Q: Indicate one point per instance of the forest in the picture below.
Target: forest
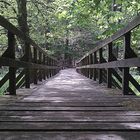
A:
(67, 29)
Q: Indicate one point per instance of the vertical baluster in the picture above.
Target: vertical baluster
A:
(49, 69)
(100, 70)
(83, 68)
(125, 78)
(95, 70)
(40, 70)
(109, 70)
(35, 70)
(28, 59)
(44, 71)
(47, 63)
(91, 62)
(12, 70)
(86, 69)
(50, 63)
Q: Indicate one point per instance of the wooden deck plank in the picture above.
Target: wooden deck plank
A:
(67, 113)
(70, 118)
(62, 108)
(64, 104)
(68, 126)
(104, 135)
(69, 106)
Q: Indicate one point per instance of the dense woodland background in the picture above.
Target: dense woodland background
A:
(67, 29)
(68, 26)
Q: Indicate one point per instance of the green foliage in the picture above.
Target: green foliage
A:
(51, 22)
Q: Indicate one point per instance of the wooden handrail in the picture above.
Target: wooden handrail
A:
(100, 44)
(10, 27)
(92, 67)
(37, 68)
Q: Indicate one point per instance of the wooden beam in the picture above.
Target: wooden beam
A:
(27, 70)
(20, 83)
(22, 64)
(4, 80)
(10, 27)
(125, 71)
(40, 62)
(91, 62)
(133, 24)
(134, 82)
(100, 61)
(95, 61)
(130, 62)
(12, 70)
(21, 74)
(35, 70)
(44, 71)
(109, 70)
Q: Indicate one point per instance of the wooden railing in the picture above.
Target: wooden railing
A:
(35, 63)
(111, 70)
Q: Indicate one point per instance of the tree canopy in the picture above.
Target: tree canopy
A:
(70, 26)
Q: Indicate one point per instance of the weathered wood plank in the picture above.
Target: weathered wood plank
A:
(71, 118)
(68, 113)
(57, 126)
(71, 135)
(22, 108)
(68, 102)
(22, 64)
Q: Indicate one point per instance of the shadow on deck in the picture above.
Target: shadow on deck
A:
(68, 107)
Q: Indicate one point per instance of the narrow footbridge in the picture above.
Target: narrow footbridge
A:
(95, 101)
(68, 106)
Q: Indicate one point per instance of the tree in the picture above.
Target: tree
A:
(86, 22)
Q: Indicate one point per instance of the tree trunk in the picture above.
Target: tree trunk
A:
(22, 19)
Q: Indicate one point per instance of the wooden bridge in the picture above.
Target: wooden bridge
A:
(95, 101)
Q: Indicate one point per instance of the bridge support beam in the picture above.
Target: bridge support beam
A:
(91, 62)
(12, 70)
(95, 70)
(109, 70)
(28, 59)
(125, 72)
(35, 70)
(100, 70)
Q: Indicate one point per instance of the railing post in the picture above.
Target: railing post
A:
(86, 62)
(35, 70)
(28, 59)
(88, 69)
(50, 69)
(83, 68)
(91, 62)
(44, 71)
(40, 70)
(109, 70)
(95, 61)
(47, 63)
(100, 70)
(12, 70)
(81, 64)
(125, 72)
